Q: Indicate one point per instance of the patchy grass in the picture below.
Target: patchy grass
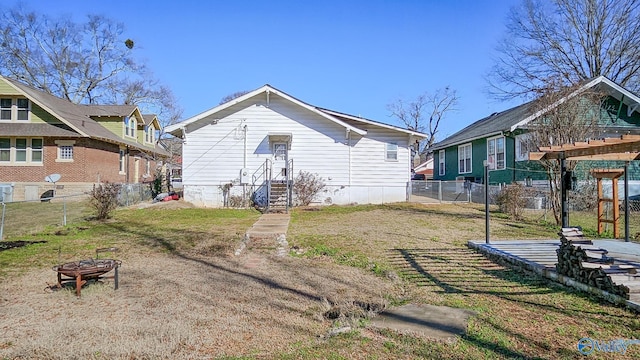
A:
(184, 296)
(22, 218)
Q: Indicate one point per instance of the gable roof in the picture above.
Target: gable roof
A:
(351, 118)
(76, 118)
(349, 122)
(517, 117)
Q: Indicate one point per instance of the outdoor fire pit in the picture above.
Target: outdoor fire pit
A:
(84, 270)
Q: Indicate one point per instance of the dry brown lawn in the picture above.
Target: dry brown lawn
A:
(184, 295)
(188, 304)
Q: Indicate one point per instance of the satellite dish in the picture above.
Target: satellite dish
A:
(53, 178)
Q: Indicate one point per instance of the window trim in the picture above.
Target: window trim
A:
(520, 139)
(442, 165)
(28, 152)
(130, 125)
(149, 134)
(62, 143)
(388, 151)
(470, 169)
(14, 110)
(504, 152)
(122, 161)
(10, 109)
(27, 109)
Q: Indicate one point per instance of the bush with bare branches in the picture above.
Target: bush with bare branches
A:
(306, 186)
(104, 198)
(512, 199)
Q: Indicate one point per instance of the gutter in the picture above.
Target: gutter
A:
(435, 148)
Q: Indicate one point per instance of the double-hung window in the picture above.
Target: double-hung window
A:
(5, 109)
(391, 153)
(464, 159)
(523, 147)
(5, 150)
(14, 109)
(129, 126)
(441, 166)
(36, 150)
(23, 109)
(121, 161)
(21, 151)
(496, 153)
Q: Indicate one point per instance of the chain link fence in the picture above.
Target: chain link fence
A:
(584, 198)
(29, 217)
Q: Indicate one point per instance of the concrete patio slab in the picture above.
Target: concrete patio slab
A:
(436, 322)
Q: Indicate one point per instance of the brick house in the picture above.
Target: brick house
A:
(41, 134)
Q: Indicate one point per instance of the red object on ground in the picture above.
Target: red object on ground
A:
(167, 198)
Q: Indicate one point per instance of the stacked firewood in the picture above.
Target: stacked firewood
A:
(579, 264)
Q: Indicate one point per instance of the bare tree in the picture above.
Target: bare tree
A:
(85, 63)
(424, 113)
(568, 40)
(567, 114)
(232, 96)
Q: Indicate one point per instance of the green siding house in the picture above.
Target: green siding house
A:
(499, 139)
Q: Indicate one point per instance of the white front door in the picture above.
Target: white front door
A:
(280, 157)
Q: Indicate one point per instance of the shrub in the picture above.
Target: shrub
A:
(585, 197)
(512, 200)
(104, 198)
(157, 183)
(306, 186)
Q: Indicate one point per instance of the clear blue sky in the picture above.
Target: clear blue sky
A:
(350, 56)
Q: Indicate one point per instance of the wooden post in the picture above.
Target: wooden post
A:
(612, 174)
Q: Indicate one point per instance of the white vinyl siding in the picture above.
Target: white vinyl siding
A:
(496, 153)
(464, 158)
(214, 153)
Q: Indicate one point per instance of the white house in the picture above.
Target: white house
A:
(244, 147)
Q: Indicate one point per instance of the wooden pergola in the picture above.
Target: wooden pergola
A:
(624, 148)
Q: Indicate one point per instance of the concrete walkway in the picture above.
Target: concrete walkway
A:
(269, 231)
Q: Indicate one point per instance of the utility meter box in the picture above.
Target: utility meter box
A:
(245, 176)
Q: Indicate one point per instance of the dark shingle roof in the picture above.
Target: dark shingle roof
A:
(60, 130)
(77, 116)
(490, 125)
(108, 110)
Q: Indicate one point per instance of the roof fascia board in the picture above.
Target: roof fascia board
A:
(485, 136)
(374, 123)
(265, 88)
(47, 109)
(590, 84)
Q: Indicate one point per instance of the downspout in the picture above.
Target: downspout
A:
(126, 172)
(244, 159)
(244, 162)
(348, 138)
